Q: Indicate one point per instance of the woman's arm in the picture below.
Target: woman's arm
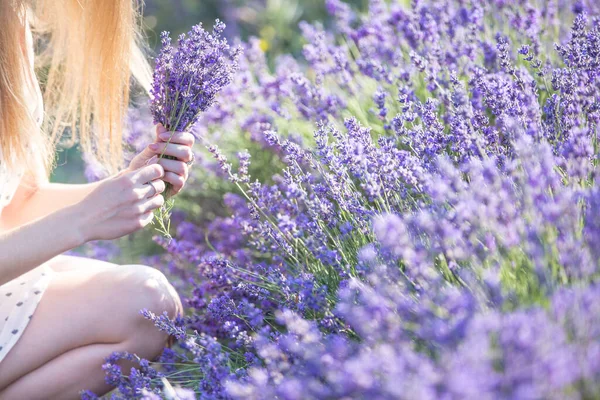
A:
(26, 247)
(37, 199)
(114, 207)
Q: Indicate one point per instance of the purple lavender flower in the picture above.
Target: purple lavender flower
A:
(188, 78)
(419, 219)
(186, 81)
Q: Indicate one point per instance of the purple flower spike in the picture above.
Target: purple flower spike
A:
(188, 78)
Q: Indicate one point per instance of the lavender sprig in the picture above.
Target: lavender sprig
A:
(187, 80)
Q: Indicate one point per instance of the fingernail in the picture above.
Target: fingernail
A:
(152, 160)
(154, 146)
(165, 136)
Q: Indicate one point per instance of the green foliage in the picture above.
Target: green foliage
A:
(275, 22)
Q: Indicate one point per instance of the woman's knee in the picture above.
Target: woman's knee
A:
(153, 290)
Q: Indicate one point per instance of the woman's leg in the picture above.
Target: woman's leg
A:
(85, 314)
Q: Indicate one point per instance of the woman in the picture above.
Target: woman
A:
(61, 315)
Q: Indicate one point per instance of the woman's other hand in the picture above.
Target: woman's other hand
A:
(179, 147)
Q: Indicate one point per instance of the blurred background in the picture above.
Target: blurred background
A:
(274, 22)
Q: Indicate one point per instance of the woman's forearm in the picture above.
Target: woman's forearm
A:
(30, 203)
(27, 246)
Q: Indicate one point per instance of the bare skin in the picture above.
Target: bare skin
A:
(91, 308)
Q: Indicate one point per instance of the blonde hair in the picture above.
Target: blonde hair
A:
(89, 51)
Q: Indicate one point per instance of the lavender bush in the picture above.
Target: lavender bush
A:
(411, 211)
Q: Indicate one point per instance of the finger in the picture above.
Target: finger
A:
(148, 173)
(178, 167)
(159, 185)
(151, 189)
(147, 205)
(177, 182)
(184, 138)
(146, 218)
(179, 151)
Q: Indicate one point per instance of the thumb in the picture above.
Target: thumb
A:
(152, 160)
(145, 157)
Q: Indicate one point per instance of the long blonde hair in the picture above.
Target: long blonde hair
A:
(88, 52)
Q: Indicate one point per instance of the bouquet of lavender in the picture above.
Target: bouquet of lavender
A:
(186, 82)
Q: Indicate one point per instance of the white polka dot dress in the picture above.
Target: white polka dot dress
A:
(18, 301)
(19, 298)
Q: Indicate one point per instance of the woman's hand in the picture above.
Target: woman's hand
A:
(123, 203)
(180, 147)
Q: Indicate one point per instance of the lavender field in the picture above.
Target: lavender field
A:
(409, 210)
